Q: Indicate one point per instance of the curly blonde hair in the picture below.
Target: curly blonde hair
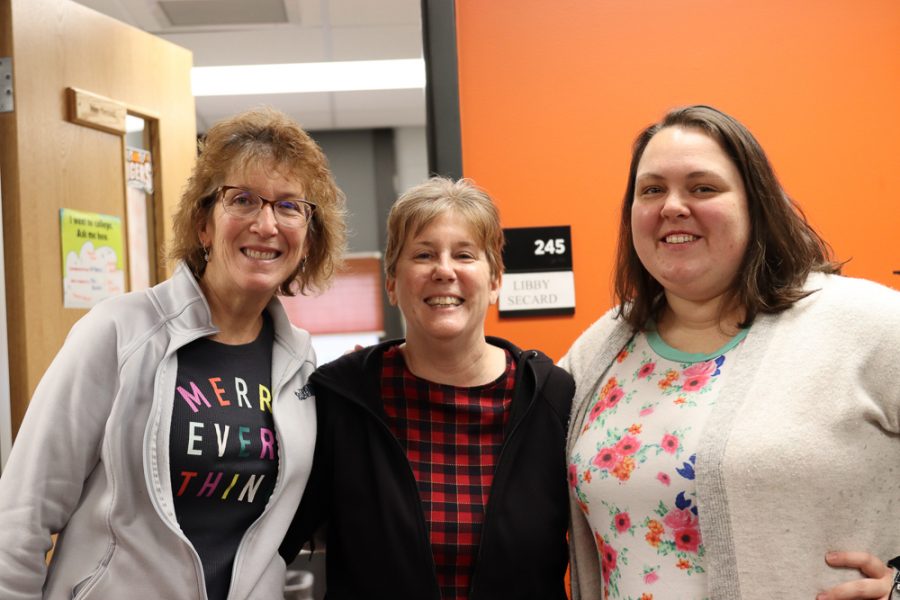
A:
(265, 138)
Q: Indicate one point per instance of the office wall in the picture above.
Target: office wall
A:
(372, 167)
(351, 155)
(552, 95)
(365, 161)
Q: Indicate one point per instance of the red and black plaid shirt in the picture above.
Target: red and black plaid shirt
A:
(452, 437)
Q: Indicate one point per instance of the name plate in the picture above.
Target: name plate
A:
(99, 112)
(539, 279)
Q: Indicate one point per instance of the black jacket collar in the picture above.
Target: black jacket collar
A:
(341, 376)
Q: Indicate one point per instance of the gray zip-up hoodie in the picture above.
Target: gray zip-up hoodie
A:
(91, 459)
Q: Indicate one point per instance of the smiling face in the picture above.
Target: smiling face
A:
(249, 258)
(443, 283)
(689, 218)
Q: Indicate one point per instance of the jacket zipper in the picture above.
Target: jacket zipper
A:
(279, 485)
(172, 522)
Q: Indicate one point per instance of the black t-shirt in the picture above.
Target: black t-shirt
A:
(223, 451)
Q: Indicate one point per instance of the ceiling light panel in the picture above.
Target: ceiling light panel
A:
(346, 76)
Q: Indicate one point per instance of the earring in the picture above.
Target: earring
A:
(204, 247)
(303, 265)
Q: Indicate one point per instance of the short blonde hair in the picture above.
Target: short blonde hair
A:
(421, 204)
(265, 138)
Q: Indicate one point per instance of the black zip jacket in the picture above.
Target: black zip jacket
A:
(377, 544)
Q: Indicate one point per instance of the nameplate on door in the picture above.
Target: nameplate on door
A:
(539, 280)
(93, 110)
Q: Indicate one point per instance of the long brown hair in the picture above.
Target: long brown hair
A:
(783, 247)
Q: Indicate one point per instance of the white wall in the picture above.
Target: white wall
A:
(411, 150)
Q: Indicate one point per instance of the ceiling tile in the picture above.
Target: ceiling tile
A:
(376, 42)
(343, 13)
(192, 13)
(284, 44)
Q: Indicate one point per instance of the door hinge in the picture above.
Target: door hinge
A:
(6, 84)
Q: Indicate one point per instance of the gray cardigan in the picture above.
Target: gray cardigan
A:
(799, 455)
(91, 459)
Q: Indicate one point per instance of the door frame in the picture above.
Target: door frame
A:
(5, 405)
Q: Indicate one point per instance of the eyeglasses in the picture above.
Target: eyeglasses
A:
(290, 213)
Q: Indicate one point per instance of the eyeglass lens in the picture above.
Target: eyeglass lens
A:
(245, 204)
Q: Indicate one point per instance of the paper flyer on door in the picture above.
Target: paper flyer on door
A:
(91, 257)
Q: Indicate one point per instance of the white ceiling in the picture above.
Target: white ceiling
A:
(246, 32)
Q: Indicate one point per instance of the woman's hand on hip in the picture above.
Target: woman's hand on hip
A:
(874, 585)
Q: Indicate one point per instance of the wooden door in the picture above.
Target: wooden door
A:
(49, 162)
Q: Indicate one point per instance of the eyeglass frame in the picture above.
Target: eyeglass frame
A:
(220, 193)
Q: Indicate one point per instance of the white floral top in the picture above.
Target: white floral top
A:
(632, 467)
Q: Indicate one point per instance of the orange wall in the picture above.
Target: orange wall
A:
(552, 93)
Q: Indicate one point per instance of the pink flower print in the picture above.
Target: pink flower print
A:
(606, 458)
(646, 411)
(670, 443)
(613, 397)
(610, 384)
(679, 518)
(651, 577)
(687, 539)
(573, 476)
(646, 370)
(608, 559)
(706, 368)
(628, 445)
(694, 383)
(663, 478)
(622, 522)
(596, 410)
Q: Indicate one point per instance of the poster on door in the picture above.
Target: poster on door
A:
(138, 196)
(91, 257)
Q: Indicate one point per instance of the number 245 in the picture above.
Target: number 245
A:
(550, 246)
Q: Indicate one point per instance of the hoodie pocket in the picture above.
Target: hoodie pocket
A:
(83, 588)
(80, 586)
